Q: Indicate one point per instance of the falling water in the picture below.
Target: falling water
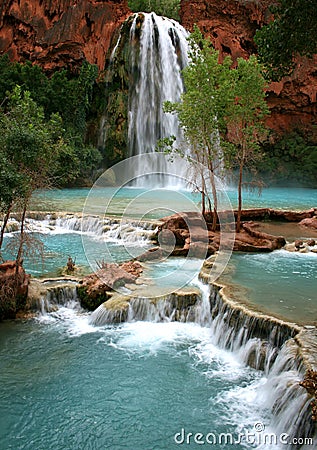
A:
(158, 53)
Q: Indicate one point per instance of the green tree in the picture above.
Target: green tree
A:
(245, 120)
(222, 114)
(201, 113)
(167, 8)
(292, 32)
(30, 148)
(69, 95)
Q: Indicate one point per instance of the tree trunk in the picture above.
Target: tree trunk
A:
(215, 200)
(19, 254)
(238, 225)
(5, 221)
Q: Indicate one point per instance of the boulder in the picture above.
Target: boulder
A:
(96, 288)
(309, 222)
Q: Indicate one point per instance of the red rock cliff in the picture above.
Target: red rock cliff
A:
(55, 33)
(231, 25)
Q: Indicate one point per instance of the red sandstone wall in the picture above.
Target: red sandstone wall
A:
(55, 33)
(231, 25)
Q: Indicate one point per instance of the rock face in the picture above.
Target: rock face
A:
(59, 33)
(231, 25)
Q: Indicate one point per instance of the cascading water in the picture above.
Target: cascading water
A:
(157, 50)
(262, 342)
(156, 66)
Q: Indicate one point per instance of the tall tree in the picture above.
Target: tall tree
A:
(245, 120)
(222, 115)
(291, 33)
(201, 111)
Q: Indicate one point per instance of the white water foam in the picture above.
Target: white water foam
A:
(107, 230)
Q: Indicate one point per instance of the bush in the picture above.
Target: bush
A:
(292, 160)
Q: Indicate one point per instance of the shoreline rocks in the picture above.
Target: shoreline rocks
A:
(13, 289)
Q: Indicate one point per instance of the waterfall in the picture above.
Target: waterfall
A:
(156, 66)
(144, 72)
(178, 306)
(57, 295)
(263, 342)
(288, 401)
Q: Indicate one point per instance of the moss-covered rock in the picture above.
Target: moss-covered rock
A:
(88, 301)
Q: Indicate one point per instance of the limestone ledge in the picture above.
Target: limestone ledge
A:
(146, 303)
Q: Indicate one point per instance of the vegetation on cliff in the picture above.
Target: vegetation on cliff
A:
(167, 8)
(291, 33)
(68, 95)
(291, 161)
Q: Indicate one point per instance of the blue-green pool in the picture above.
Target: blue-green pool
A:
(68, 386)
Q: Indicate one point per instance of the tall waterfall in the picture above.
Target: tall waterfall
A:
(156, 66)
(144, 71)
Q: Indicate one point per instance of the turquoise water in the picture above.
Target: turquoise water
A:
(67, 385)
(57, 248)
(162, 200)
(280, 283)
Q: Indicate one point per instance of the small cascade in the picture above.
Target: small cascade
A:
(178, 306)
(108, 229)
(257, 338)
(57, 295)
(162, 310)
(286, 399)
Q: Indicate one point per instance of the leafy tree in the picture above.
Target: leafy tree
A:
(168, 8)
(245, 120)
(292, 32)
(30, 148)
(201, 112)
(70, 96)
(221, 114)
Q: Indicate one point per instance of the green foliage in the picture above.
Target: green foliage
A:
(221, 113)
(29, 142)
(204, 102)
(292, 32)
(246, 113)
(291, 161)
(67, 95)
(167, 8)
(30, 146)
